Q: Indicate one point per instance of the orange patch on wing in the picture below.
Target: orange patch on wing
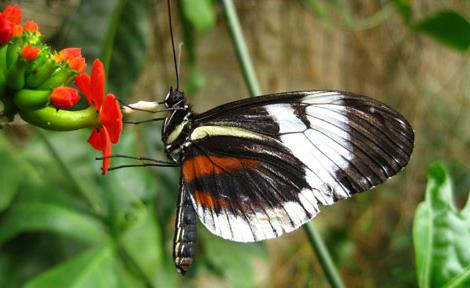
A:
(202, 165)
(207, 201)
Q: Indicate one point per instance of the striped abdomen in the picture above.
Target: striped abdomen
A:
(185, 232)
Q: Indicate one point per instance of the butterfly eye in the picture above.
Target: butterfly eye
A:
(173, 98)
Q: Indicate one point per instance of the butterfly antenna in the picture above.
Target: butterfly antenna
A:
(173, 47)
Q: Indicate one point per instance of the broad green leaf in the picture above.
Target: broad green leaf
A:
(88, 26)
(145, 244)
(128, 189)
(447, 27)
(26, 217)
(11, 174)
(130, 47)
(200, 13)
(20, 260)
(92, 268)
(66, 160)
(234, 261)
(441, 235)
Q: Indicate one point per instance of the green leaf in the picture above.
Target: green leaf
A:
(405, 9)
(25, 217)
(88, 26)
(92, 268)
(318, 7)
(11, 174)
(449, 28)
(196, 80)
(130, 47)
(144, 243)
(441, 235)
(234, 261)
(200, 13)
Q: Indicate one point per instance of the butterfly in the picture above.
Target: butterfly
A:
(261, 167)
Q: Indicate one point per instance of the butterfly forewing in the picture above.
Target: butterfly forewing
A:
(259, 168)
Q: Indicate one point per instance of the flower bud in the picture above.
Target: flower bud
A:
(28, 99)
(12, 54)
(31, 26)
(30, 53)
(40, 71)
(64, 97)
(15, 75)
(6, 30)
(60, 76)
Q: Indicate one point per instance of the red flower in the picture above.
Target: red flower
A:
(64, 97)
(6, 29)
(109, 112)
(31, 26)
(30, 53)
(73, 57)
(13, 14)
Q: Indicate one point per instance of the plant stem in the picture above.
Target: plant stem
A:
(323, 256)
(240, 48)
(250, 78)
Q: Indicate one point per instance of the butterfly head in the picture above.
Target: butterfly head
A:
(174, 98)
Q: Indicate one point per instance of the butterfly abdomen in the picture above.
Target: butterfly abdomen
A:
(185, 233)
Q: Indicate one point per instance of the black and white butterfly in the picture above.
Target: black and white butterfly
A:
(258, 168)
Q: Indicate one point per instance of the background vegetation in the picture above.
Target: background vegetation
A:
(62, 224)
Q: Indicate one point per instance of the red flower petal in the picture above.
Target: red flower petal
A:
(64, 97)
(13, 14)
(111, 117)
(73, 57)
(31, 26)
(97, 83)
(99, 139)
(82, 81)
(6, 30)
(30, 52)
(17, 30)
(106, 152)
(77, 63)
(96, 139)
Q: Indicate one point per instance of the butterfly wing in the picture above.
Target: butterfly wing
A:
(259, 168)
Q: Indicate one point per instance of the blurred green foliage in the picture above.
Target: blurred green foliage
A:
(63, 225)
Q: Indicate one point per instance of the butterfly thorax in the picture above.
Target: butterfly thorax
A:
(177, 125)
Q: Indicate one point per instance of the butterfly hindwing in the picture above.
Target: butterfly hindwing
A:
(259, 168)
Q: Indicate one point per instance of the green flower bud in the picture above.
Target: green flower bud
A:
(3, 59)
(61, 76)
(28, 99)
(12, 54)
(15, 76)
(40, 71)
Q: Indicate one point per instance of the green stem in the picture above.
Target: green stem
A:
(240, 47)
(249, 74)
(89, 196)
(323, 256)
(111, 34)
(50, 118)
